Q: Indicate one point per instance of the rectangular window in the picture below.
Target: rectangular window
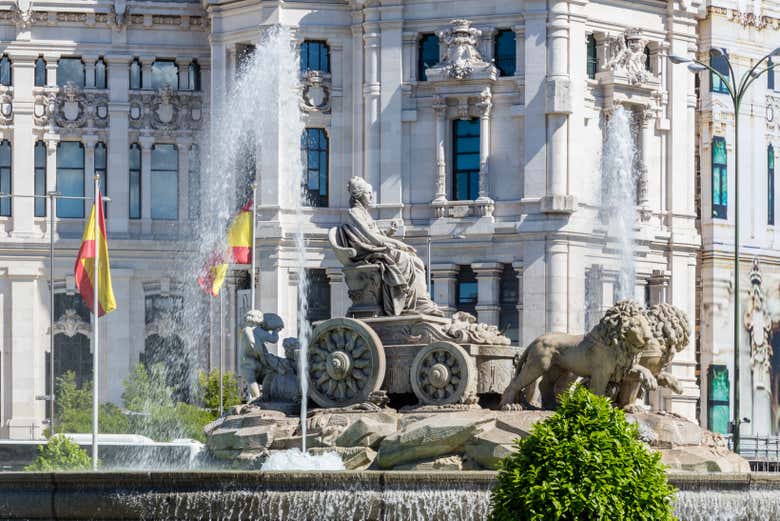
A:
(165, 72)
(506, 52)
(720, 63)
(101, 75)
(509, 320)
(134, 161)
(315, 56)
(70, 70)
(427, 54)
(593, 58)
(467, 290)
(318, 297)
(40, 179)
(718, 399)
(719, 178)
(315, 146)
(40, 72)
(70, 179)
(165, 180)
(465, 164)
(6, 74)
(770, 175)
(136, 74)
(5, 177)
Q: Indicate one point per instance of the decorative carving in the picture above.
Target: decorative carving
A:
(464, 328)
(22, 14)
(167, 110)
(72, 17)
(759, 325)
(315, 96)
(71, 324)
(626, 56)
(163, 109)
(461, 209)
(443, 373)
(73, 108)
(118, 15)
(749, 19)
(6, 106)
(462, 59)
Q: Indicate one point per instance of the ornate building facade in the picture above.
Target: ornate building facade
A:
(480, 124)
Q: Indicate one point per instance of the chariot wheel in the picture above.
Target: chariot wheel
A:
(443, 373)
(346, 362)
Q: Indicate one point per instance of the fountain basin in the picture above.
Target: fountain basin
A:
(302, 496)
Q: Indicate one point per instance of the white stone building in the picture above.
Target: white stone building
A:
(496, 159)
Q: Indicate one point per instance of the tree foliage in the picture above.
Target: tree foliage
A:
(584, 462)
(60, 453)
(73, 409)
(209, 390)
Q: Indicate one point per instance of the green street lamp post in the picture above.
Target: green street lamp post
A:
(736, 90)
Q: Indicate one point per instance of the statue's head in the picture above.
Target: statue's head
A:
(360, 191)
(670, 327)
(253, 318)
(272, 322)
(624, 325)
(291, 347)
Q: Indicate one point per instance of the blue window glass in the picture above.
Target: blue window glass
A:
(101, 75)
(509, 319)
(465, 164)
(40, 179)
(6, 75)
(593, 58)
(467, 290)
(165, 72)
(70, 179)
(648, 66)
(5, 177)
(770, 75)
(194, 75)
(70, 70)
(136, 74)
(427, 54)
(719, 178)
(718, 399)
(720, 63)
(315, 148)
(315, 56)
(505, 52)
(770, 181)
(165, 182)
(40, 72)
(134, 162)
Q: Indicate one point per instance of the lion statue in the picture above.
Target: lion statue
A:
(608, 353)
(671, 333)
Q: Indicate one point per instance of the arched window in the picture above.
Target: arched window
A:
(6, 75)
(465, 164)
(427, 54)
(194, 75)
(134, 161)
(71, 350)
(720, 63)
(40, 178)
(71, 70)
(101, 169)
(719, 178)
(593, 58)
(165, 73)
(314, 148)
(40, 72)
(770, 181)
(315, 56)
(136, 74)
(505, 52)
(101, 76)
(70, 178)
(165, 182)
(5, 177)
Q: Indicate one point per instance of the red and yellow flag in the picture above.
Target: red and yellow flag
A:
(85, 265)
(240, 242)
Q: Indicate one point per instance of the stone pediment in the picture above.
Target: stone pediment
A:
(462, 60)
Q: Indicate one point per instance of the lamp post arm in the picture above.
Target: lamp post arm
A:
(726, 81)
(752, 76)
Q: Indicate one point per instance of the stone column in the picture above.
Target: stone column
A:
(357, 82)
(52, 140)
(231, 67)
(146, 71)
(146, 143)
(217, 87)
(51, 69)
(445, 278)
(339, 299)
(519, 31)
(440, 113)
(118, 142)
(518, 266)
(184, 73)
(23, 142)
(488, 291)
(89, 67)
(557, 276)
(391, 75)
(645, 120)
(371, 95)
(659, 285)
(89, 141)
(183, 148)
(483, 106)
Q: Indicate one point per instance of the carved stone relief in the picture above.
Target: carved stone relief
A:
(71, 324)
(76, 108)
(315, 96)
(626, 56)
(462, 59)
(118, 16)
(759, 325)
(6, 106)
(166, 110)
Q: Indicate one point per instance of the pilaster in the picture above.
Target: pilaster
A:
(488, 291)
(445, 279)
(146, 143)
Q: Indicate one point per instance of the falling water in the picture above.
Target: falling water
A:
(620, 195)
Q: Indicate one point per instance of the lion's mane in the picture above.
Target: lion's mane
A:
(621, 318)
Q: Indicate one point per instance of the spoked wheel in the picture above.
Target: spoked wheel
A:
(442, 373)
(346, 362)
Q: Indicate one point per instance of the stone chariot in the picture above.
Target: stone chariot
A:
(394, 339)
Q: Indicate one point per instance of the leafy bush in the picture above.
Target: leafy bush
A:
(60, 453)
(584, 462)
(73, 409)
(209, 390)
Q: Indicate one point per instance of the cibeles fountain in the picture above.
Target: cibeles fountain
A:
(398, 386)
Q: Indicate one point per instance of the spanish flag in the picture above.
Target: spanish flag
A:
(85, 265)
(240, 242)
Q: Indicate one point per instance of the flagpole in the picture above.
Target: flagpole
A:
(254, 242)
(221, 347)
(95, 330)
